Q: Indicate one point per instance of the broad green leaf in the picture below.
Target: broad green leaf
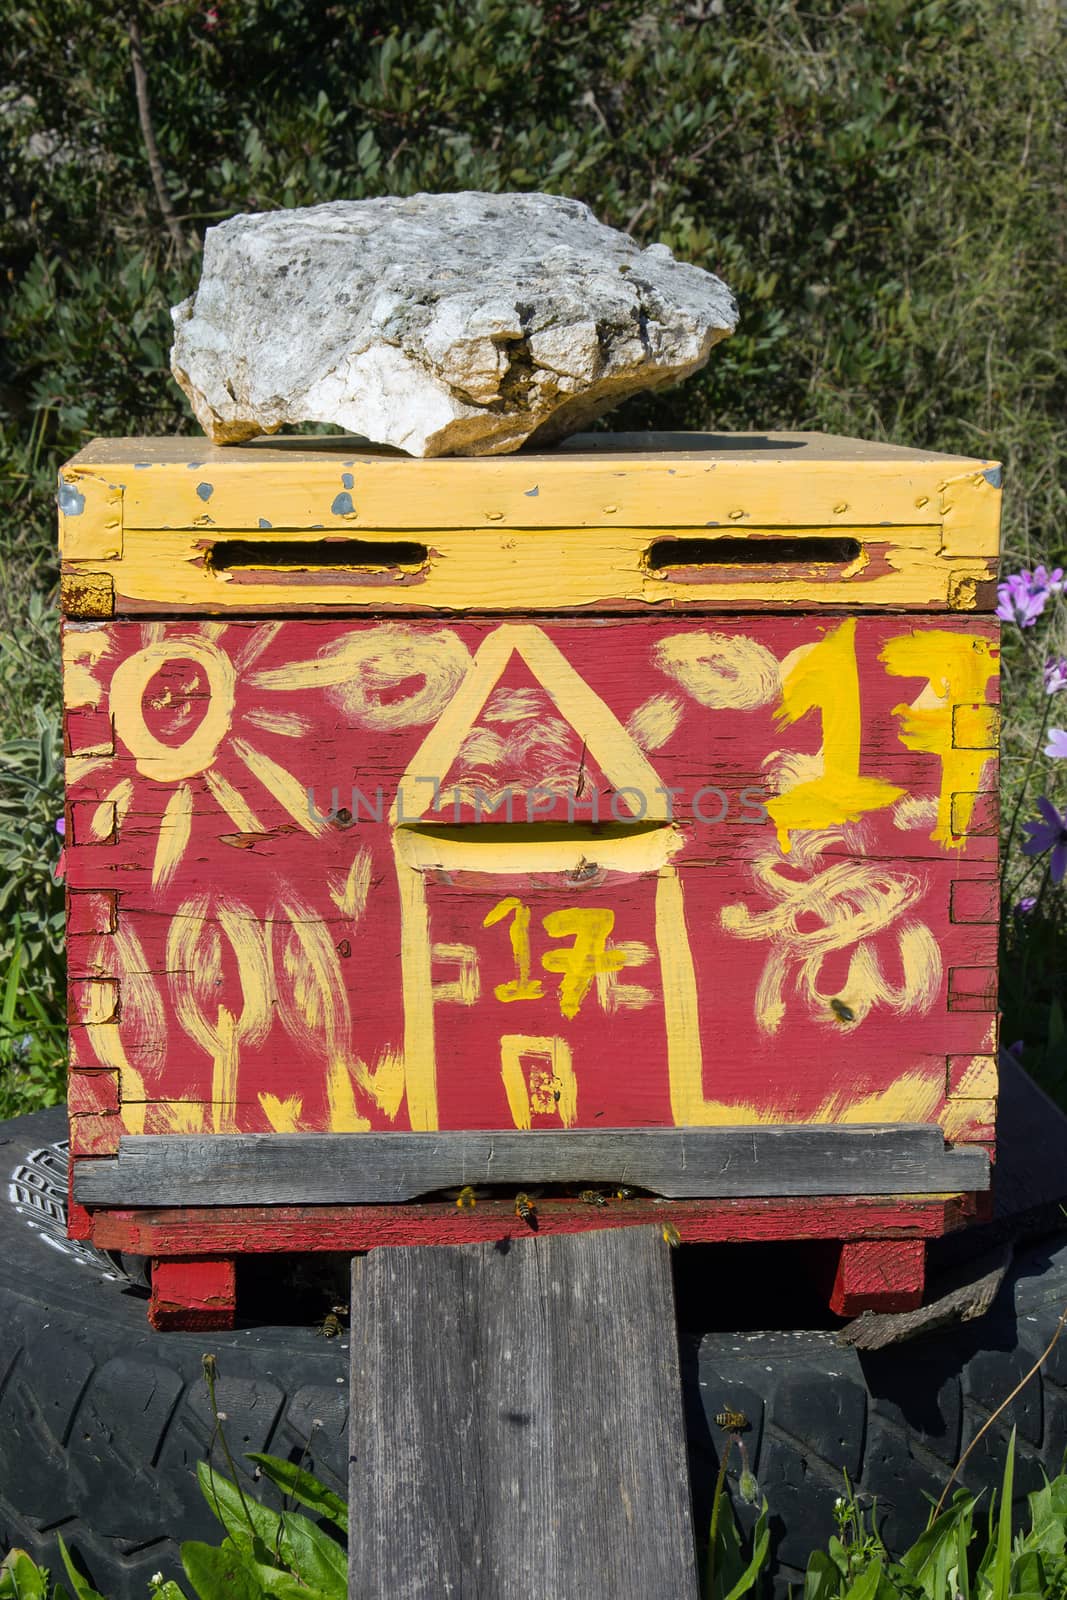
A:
(761, 1543)
(21, 1578)
(822, 1580)
(300, 1485)
(83, 1589)
(240, 1514)
(937, 1549)
(1000, 1568)
(866, 1585)
(217, 1572)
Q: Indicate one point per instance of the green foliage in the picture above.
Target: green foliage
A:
(880, 183)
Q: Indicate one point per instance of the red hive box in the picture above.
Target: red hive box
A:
(613, 827)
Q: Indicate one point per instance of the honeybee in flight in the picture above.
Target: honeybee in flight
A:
(466, 1199)
(731, 1421)
(526, 1210)
(623, 1192)
(331, 1322)
(671, 1235)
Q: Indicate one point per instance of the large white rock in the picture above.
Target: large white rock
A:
(455, 324)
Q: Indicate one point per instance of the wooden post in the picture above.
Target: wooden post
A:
(517, 1426)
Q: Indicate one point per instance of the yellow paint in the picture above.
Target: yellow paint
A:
(385, 1082)
(547, 1087)
(727, 671)
(609, 745)
(654, 723)
(978, 1080)
(497, 848)
(420, 1068)
(615, 996)
(176, 1116)
(968, 1119)
(579, 964)
(350, 894)
(823, 677)
(283, 1115)
(286, 724)
(82, 650)
(198, 984)
(685, 1061)
(93, 532)
(233, 803)
(361, 668)
(522, 987)
(77, 769)
(844, 906)
(926, 523)
(314, 1009)
(507, 570)
(289, 792)
(164, 762)
(258, 639)
(141, 1024)
(466, 987)
(957, 669)
(175, 828)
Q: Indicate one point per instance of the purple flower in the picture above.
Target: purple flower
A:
(1022, 597)
(61, 827)
(1057, 743)
(1051, 834)
(1025, 905)
(1055, 674)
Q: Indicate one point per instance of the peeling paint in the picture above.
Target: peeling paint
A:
(70, 500)
(264, 523)
(531, 494)
(205, 490)
(994, 476)
(347, 480)
(342, 504)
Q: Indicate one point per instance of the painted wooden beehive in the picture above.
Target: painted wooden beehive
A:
(613, 826)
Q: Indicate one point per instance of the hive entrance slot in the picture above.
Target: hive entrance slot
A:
(314, 555)
(705, 555)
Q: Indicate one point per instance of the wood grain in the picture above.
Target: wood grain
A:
(203, 1230)
(517, 1427)
(309, 1168)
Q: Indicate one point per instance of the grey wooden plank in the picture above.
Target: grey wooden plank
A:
(694, 1163)
(516, 1423)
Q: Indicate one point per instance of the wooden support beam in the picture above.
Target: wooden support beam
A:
(879, 1275)
(517, 1429)
(681, 1163)
(196, 1294)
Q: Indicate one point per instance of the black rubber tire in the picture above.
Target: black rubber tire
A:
(897, 1420)
(102, 1421)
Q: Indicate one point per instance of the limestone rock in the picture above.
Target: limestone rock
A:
(457, 324)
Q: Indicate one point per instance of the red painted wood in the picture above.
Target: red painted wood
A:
(193, 1295)
(362, 723)
(92, 1093)
(91, 912)
(879, 1275)
(95, 1134)
(255, 1229)
(79, 1220)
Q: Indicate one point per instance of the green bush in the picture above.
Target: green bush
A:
(880, 182)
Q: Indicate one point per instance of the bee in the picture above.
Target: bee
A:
(592, 1197)
(623, 1192)
(466, 1199)
(331, 1322)
(842, 1012)
(731, 1421)
(526, 1210)
(671, 1235)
